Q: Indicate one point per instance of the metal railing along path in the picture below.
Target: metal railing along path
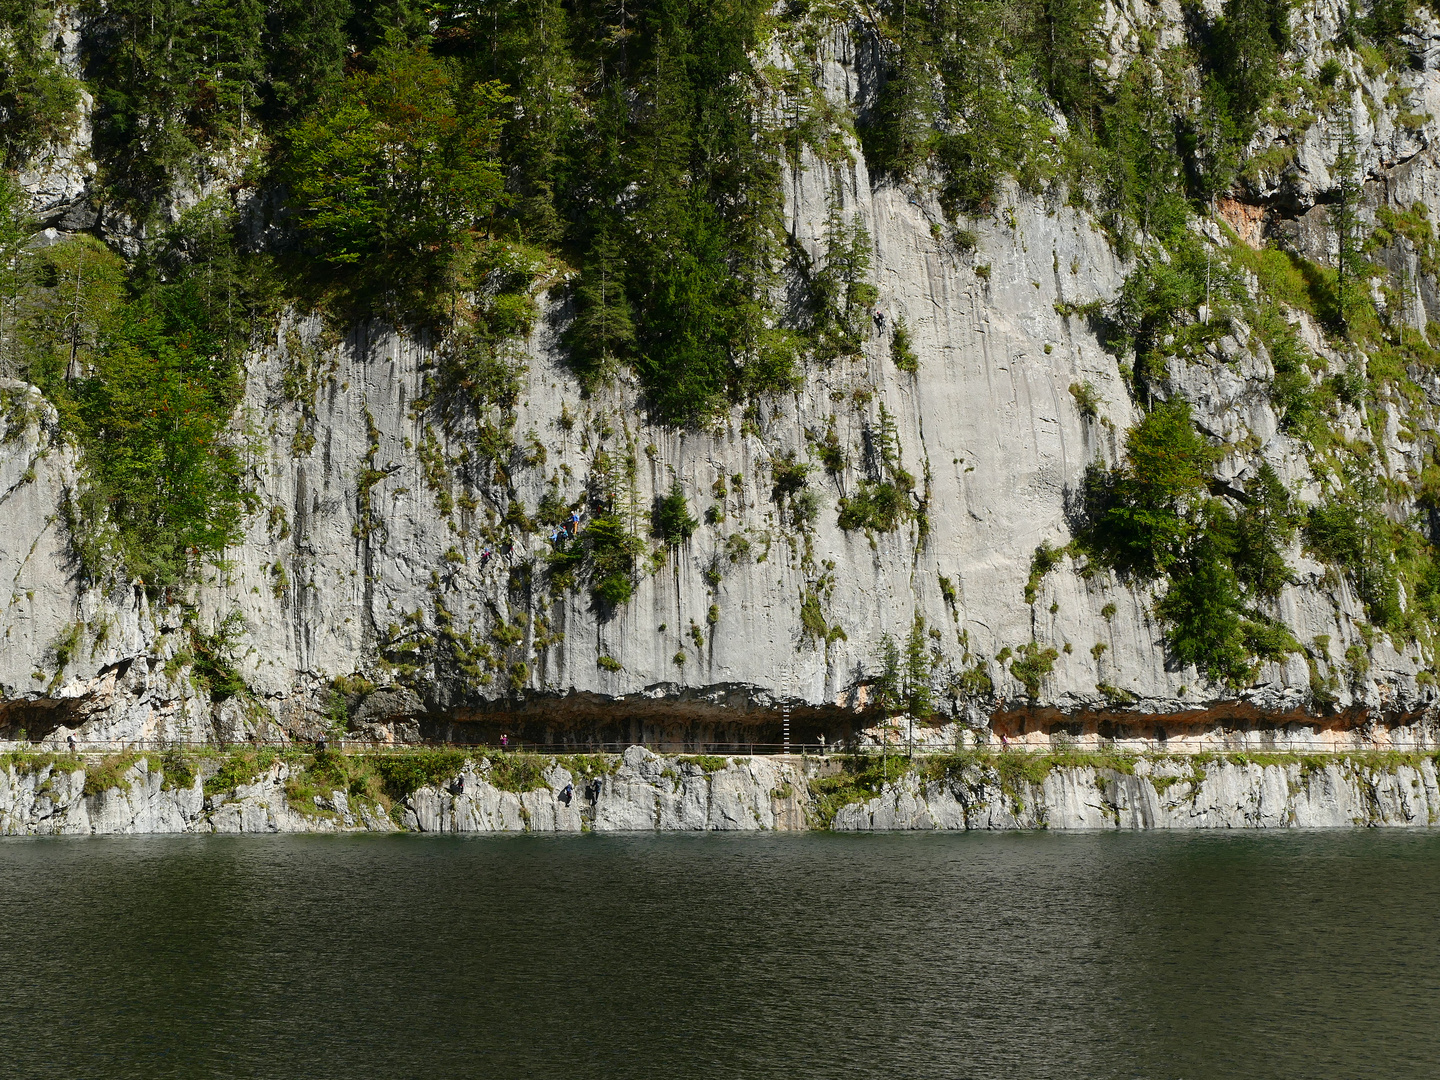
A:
(514, 746)
(1129, 748)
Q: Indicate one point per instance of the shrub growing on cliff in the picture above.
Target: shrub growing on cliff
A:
(241, 767)
(1292, 393)
(1032, 665)
(1045, 559)
(213, 656)
(859, 779)
(1155, 317)
(517, 772)
(105, 774)
(404, 774)
(1088, 401)
(879, 505)
(178, 770)
(1153, 517)
(1393, 569)
(901, 350)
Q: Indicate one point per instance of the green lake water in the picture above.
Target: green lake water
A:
(927, 956)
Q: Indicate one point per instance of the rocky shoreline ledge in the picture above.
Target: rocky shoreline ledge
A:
(453, 791)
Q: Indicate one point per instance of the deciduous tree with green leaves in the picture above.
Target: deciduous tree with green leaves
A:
(393, 172)
(1145, 511)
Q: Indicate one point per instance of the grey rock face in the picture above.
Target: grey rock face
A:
(1219, 795)
(643, 792)
(640, 792)
(374, 513)
(49, 801)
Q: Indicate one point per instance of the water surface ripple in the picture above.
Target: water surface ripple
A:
(979, 956)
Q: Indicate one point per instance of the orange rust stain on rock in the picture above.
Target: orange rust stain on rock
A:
(1245, 218)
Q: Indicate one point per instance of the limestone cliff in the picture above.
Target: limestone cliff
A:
(392, 543)
(643, 792)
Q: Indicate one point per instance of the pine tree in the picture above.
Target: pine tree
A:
(603, 333)
(841, 294)
(525, 45)
(305, 46)
(919, 696)
(1248, 41)
(1071, 48)
(897, 136)
(890, 686)
(175, 77)
(229, 61)
(374, 23)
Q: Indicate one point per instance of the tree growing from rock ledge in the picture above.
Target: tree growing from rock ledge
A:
(391, 172)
